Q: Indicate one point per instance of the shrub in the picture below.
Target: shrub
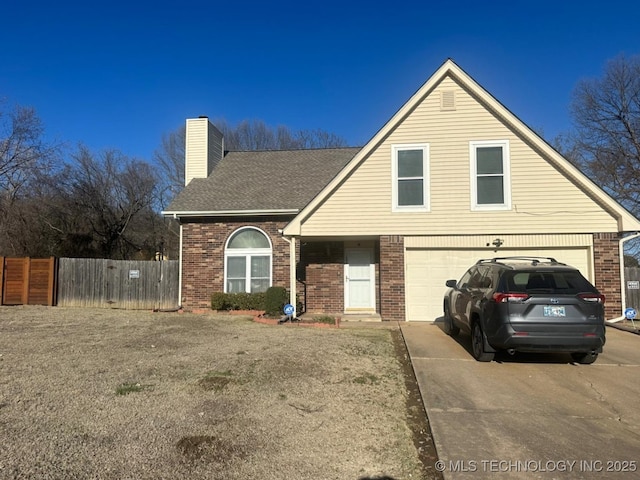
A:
(219, 301)
(247, 301)
(237, 301)
(275, 299)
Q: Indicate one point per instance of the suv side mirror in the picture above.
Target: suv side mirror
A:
(451, 283)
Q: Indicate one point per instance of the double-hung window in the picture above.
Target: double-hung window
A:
(490, 178)
(247, 262)
(410, 164)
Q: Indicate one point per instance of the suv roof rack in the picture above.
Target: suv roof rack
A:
(533, 260)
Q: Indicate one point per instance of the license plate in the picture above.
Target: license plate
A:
(553, 311)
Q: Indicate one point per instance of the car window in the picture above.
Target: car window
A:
(464, 281)
(567, 282)
(572, 282)
(486, 280)
(476, 278)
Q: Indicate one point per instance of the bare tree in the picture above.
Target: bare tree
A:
(319, 139)
(606, 140)
(94, 205)
(106, 205)
(170, 158)
(22, 148)
(256, 135)
(24, 159)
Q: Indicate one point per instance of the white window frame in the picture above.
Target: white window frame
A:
(247, 253)
(425, 207)
(506, 175)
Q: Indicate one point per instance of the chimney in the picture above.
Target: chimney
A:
(204, 148)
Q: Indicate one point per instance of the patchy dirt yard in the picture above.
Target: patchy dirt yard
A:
(88, 393)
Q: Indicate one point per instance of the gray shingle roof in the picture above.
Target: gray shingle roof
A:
(263, 180)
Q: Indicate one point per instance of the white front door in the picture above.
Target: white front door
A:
(359, 280)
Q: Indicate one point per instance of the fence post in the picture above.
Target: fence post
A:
(51, 297)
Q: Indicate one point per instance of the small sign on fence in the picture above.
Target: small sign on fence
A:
(134, 274)
(633, 285)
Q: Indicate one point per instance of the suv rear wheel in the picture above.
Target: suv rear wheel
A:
(450, 328)
(584, 358)
(477, 344)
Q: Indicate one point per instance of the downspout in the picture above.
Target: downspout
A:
(180, 271)
(623, 287)
(292, 273)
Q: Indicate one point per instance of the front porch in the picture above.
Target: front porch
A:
(357, 279)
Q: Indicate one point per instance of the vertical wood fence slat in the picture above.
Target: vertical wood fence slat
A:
(127, 284)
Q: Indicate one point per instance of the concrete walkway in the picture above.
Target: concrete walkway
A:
(529, 416)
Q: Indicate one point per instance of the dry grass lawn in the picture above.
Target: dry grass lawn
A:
(102, 394)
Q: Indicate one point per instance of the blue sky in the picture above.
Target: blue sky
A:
(120, 74)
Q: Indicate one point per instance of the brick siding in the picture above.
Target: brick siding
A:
(607, 271)
(203, 256)
(322, 268)
(391, 286)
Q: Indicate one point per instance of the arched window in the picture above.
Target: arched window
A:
(247, 261)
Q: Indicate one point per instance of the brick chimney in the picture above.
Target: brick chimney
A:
(204, 148)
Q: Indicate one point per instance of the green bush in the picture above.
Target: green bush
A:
(219, 301)
(237, 301)
(275, 299)
(247, 301)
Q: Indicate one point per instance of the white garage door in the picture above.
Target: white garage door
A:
(427, 270)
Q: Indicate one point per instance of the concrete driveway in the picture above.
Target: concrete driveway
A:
(529, 416)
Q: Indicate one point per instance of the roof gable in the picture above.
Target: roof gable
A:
(626, 221)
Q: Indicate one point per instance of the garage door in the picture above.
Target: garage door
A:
(428, 269)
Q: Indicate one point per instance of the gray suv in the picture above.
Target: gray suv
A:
(526, 304)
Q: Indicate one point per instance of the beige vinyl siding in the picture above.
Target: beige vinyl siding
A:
(542, 198)
(195, 149)
(204, 146)
(509, 241)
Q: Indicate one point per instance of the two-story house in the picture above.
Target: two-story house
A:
(452, 177)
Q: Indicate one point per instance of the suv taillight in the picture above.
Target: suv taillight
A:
(591, 297)
(509, 297)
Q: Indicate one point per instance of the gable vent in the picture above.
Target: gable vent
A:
(448, 100)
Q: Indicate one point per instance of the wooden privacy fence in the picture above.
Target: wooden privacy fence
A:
(129, 284)
(632, 286)
(27, 281)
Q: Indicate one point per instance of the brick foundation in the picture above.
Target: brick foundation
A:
(607, 271)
